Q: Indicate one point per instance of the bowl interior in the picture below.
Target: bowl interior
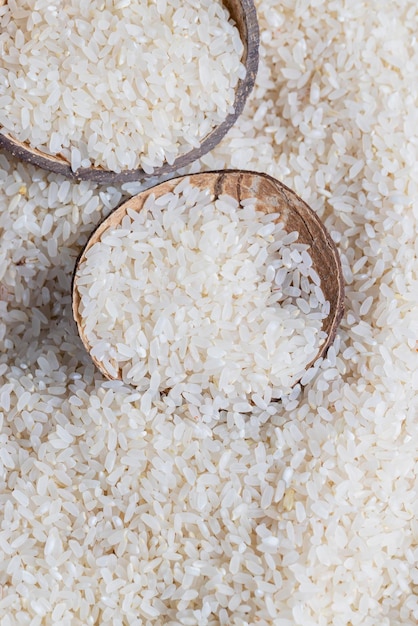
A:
(272, 197)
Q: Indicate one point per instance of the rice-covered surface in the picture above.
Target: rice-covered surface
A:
(119, 84)
(196, 290)
(120, 509)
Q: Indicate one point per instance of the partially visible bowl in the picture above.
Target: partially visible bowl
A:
(244, 14)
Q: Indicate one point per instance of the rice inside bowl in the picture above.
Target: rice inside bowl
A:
(204, 291)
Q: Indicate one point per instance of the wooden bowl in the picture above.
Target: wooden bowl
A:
(244, 14)
(273, 197)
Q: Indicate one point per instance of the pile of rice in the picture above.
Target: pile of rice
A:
(192, 290)
(117, 509)
(125, 84)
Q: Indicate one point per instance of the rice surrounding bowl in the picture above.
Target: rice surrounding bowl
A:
(119, 509)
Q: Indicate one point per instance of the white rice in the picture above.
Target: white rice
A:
(202, 291)
(162, 512)
(122, 84)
